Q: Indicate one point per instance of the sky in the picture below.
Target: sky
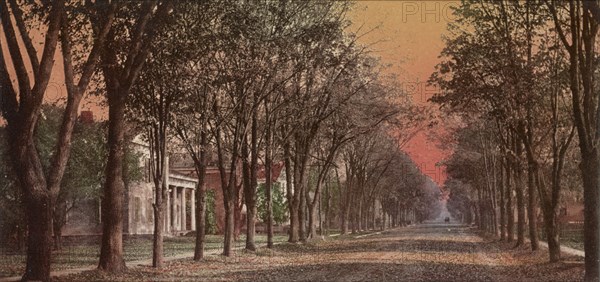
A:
(408, 35)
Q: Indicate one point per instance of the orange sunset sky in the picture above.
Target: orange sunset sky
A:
(408, 35)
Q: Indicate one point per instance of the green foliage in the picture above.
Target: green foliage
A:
(85, 170)
(132, 170)
(280, 215)
(11, 212)
(333, 193)
(84, 175)
(211, 218)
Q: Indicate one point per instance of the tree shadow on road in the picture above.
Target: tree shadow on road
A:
(409, 271)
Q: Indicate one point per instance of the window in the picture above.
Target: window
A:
(137, 205)
(149, 211)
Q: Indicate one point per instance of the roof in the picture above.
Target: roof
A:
(276, 169)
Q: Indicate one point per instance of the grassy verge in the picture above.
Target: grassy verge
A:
(83, 254)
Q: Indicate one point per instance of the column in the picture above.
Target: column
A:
(193, 201)
(173, 208)
(183, 219)
(168, 215)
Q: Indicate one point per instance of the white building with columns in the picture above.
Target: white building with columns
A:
(138, 217)
(180, 216)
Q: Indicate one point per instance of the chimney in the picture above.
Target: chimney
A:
(86, 117)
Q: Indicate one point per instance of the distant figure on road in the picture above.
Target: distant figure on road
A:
(447, 219)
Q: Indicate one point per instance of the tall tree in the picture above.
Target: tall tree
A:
(123, 56)
(576, 24)
(512, 89)
(156, 95)
(21, 107)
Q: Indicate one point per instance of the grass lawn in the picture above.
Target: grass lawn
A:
(569, 237)
(82, 254)
(572, 240)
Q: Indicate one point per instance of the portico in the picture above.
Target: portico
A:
(181, 217)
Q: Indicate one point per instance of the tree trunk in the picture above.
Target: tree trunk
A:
(320, 213)
(493, 214)
(520, 209)
(269, 203)
(302, 208)
(510, 214)
(299, 201)
(228, 187)
(591, 214)
(345, 200)
(532, 207)
(158, 155)
(20, 110)
(312, 219)
(251, 207)
(201, 195)
(229, 228)
(246, 188)
(111, 251)
(494, 198)
(502, 202)
(373, 217)
(552, 234)
(358, 215)
(294, 222)
(366, 207)
(39, 239)
(518, 180)
(313, 213)
(250, 186)
(303, 156)
(475, 214)
(229, 204)
(353, 213)
(200, 215)
(366, 214)
(481, 222)
(159, 225)
(238, 204)
(582, 68)
(268, 175)
(293, 232)
(325, 230)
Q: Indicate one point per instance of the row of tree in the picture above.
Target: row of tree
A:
(522, 78)
(260, 84)
(280, 81)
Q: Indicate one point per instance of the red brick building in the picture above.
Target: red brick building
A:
(213, 183)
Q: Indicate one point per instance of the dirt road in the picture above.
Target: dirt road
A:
(429, 252)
